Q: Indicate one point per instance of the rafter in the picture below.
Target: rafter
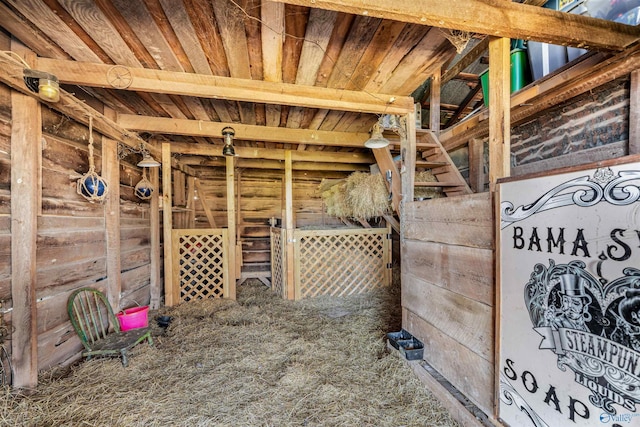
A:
(243, 132)
(501, 18)
(186, 148)
(207, 86)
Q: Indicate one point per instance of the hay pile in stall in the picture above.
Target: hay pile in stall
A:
(426, 192)
(360, 196)
(260, 361)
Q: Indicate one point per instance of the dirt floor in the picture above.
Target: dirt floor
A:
(257, 361)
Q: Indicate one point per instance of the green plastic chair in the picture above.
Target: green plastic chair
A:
(97, 326)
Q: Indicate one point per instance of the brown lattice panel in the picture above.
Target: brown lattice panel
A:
(341, 262)
(200, 263)
(278, 275)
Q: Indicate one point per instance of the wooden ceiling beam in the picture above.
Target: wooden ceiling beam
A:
(216, 87)
(466, 60)
(186, 148)
(275, 164)
(500, 18)
(243, 132)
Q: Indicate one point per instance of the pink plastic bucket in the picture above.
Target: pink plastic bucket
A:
(133, 318)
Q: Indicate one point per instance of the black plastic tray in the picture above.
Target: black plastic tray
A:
(413, 349)
(394, 337)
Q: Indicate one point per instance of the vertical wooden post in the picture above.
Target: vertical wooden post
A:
(238, 247)
(154, 239)
(191, 205)
(476, 165)
(634, 113)
(26, 150)
(408, 149)
(499, 109)
(385, 162)
(111, 174)
(289, 225)
(231, 225)
(434, 103)
(167, 226)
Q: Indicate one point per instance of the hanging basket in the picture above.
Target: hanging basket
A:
(144, 189)
(92, 187)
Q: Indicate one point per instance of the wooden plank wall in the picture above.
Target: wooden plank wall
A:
(261, 198)
(591, 127)
(448, 289)
(71, 244)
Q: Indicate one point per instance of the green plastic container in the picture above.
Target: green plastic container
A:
(519, 74)
(518, 69)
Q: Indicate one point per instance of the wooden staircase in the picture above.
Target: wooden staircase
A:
(436, 158)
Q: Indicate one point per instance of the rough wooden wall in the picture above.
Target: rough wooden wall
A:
(71, 242)
(591, 127)
(261, 197)
(448, 289)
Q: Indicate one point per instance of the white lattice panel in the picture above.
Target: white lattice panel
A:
(200, 263)
(342, 262)
(278, 274)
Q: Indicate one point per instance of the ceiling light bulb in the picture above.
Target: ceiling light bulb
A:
(49, 90)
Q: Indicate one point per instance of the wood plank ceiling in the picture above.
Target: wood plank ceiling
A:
(243, 41)
(181, 70)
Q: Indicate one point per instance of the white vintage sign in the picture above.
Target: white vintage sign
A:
(569, 350)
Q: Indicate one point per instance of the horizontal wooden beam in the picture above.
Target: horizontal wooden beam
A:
(500, 18)
(242, 132)
(207, 86)
(186, 148)
(466, 60)
(276, 164)
(11, 74)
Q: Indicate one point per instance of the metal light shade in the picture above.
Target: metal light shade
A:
(228, 150)
(44, 84)
(148, 161)
(376, 140)
(228, 134)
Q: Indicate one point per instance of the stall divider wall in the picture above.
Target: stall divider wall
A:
(336, 262)
(447, 248)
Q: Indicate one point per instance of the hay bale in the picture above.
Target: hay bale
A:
(427, 192)
(361, 196)
(367, 195)
(336, 202)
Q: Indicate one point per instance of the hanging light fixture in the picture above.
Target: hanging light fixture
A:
(44, 84)
(147, 160)
(228, 133)
(376, 140)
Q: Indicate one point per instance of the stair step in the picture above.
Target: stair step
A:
(438, 184)
(428, 164)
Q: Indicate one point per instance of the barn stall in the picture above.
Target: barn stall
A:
(293, 91)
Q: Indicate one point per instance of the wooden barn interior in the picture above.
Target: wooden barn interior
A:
(294, 89)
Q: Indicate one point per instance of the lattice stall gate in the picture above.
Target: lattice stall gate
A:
(334, 262)
(278, 261)
(200, 263)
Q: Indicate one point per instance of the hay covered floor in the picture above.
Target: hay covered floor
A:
(257, 361)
